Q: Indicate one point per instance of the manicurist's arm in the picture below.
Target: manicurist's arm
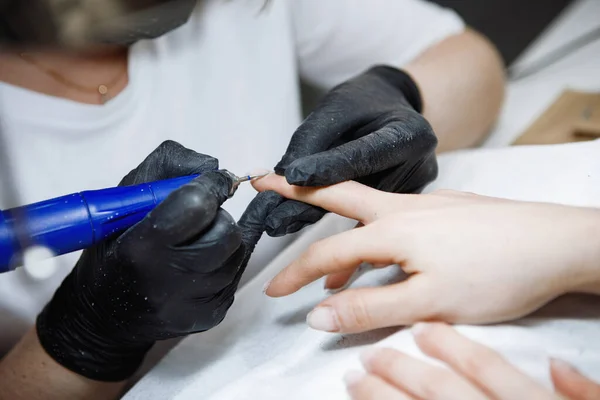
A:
(29, 373)
(461, 80)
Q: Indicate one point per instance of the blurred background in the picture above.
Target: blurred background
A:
(525, 19)
(512, 25)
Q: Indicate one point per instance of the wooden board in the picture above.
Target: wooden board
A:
(573, 117)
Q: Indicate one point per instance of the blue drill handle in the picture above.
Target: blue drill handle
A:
(80, 220)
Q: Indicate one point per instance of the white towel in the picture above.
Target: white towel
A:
(264, 350)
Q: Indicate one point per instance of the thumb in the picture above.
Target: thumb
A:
(365, 309)
(253, 221)
(570, 383)
(399, 143)
(186, 212)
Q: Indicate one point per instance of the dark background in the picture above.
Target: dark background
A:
(510, 24)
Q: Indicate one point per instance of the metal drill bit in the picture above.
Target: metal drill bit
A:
(237, 180)
(247, 178)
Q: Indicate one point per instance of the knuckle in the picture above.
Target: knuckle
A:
(357, 316)
(320, 270)
(388, 360)
(335, 258)
(164, 149)
(307, 259)
(436, 385)
(169, 144)
(312, 259)
(479, 363)
(312, 251)
(196, 199)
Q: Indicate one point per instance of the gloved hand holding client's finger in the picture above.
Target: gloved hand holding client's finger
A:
(368, 129)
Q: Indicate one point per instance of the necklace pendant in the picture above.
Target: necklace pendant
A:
(103, 90)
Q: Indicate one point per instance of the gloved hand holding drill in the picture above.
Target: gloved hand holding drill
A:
(172, 274)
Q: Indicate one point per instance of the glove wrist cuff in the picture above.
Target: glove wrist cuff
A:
(80, 346)
(403, 82)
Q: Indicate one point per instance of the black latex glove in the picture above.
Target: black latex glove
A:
(367, 129)
(172, 274)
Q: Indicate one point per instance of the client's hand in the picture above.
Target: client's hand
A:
(475, 373)
(369, 129)
(471, 259)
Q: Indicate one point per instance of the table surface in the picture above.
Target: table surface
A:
(526, 100)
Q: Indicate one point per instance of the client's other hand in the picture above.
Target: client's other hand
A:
(474, 372)
(471, 259)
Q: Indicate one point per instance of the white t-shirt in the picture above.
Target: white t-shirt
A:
(225, 84)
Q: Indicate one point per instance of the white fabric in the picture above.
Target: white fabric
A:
(225, 84)
(264, 349)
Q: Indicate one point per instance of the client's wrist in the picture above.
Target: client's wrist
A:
(587, 243)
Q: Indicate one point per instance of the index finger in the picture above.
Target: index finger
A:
(331, 255)
(189, 210)
(349, 199)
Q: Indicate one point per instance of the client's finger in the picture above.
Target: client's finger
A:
(570, 383)
(339, 280)
(349, 199)
(362, 386)
(418, 378)
(335, 254)
(365, 309)
(479, 364)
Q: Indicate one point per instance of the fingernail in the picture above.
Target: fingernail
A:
(351, 378)
(266, 286)
(420, 328)
(562, 365)
(368, 356)
(323, 319)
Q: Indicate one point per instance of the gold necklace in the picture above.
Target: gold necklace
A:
(102, 90)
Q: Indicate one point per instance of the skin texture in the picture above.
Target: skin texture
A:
(28, 372)
(462, 253)
(474, 372)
